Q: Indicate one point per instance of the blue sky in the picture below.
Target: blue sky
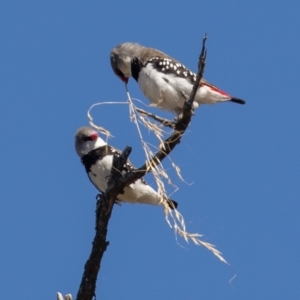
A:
(243, 160)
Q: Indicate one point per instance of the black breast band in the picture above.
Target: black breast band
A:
(136, 66)
(97, 154)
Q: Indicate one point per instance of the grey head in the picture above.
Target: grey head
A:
(121, 56)
(86, 140)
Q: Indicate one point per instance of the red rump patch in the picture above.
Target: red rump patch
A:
(215, 89)
(94, 136)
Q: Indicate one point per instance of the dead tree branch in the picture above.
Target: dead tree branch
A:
(118, 182)
(165, 122)
(105, 203)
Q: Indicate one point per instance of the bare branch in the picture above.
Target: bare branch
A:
(105, 203)
(118, 182)
(165, 122)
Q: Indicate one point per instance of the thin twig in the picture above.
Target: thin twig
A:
(182, 124)
(118, 182)
(165, 122)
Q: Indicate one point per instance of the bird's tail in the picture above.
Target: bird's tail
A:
(214, 95)
(237, 100)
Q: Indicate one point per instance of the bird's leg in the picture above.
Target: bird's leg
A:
(184, 95)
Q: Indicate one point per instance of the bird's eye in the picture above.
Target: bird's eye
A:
(86, 138)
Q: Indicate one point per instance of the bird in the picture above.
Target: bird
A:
(163, 80)
(97, 157)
